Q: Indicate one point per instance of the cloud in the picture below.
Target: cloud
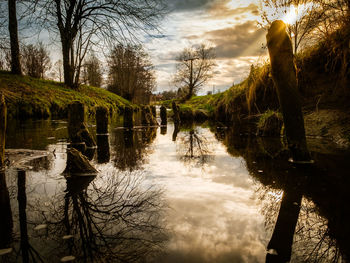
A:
(222, 9)
(185, 5)
(241, 40)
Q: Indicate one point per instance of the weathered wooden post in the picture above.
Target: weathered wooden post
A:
(154, 111)
(77, 129)
(101, 120)
(284, 77)
(3, 122)
(163, 115)
(145, 121)
(176, 115)
(128, 117)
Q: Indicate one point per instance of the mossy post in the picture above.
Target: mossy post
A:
(284, 77)
(154, 111)
(77, 129)
(163, 115)
(101, 120)
(3, 122)
(128, 117)
(176, 115)
(145, 121)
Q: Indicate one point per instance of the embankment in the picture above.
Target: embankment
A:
(28, 97)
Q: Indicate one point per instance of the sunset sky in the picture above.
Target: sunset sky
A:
(228, 25)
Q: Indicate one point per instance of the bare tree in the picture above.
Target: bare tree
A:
(35, 60)
(57, 71)
(92, 72)
(131, 73)
(13, 29)
(82, 23)
(303, 17)
(195, 68)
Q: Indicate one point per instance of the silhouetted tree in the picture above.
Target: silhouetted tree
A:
(194, 69)
(92, 72)
(131, 73)
(13, 29)
(80, 23)
(35, 60)
(302, 17)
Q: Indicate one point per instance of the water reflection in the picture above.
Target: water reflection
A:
(231, 208)
(193, 147)
(6, 223)
(131, 147)
(103, 153)
(310, 224)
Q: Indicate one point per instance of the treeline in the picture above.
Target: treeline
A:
(94, 39)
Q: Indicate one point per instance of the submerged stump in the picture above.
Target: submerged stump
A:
(101, 120)
(163, 115)
(3, 122)
(284, 77)
(77, 129)
(77, 163)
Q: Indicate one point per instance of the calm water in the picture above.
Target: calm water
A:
(188, 194)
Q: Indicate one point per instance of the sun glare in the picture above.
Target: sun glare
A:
(296, 12)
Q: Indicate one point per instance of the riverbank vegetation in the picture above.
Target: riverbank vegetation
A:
(28, 97)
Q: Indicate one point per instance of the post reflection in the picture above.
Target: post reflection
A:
(310, 224)
(6, 222)
(131, 147)
(103, 153)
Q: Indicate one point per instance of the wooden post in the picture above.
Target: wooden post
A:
(154, 111)
(3, 122)
(77, 129)
(284, 77)
(145, 121)
(163, 115)
(176, 116)
(101, 120)
(128, 117)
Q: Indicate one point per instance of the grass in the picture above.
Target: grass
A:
(30, 97)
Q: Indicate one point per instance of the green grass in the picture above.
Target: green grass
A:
(31, 97)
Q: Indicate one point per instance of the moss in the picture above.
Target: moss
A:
(28, 97)
(270, 123)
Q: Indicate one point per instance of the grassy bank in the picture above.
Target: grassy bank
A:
(28, 97)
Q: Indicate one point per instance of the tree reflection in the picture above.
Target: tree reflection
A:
(193, 147)
(6, 223)
(131, 147)
(311, 221)
(111, 219)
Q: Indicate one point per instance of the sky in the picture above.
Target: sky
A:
(230, 26)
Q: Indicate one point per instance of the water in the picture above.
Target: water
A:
(197, 193)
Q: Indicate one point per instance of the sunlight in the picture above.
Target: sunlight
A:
(296, 12)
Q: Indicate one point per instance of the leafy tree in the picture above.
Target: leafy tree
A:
(92, 72)
(131, 73)
(195, 67)
(81, 24)
(35, 60)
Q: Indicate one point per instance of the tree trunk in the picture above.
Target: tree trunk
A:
(13, 29)
(3, 115)
(67, 67)
(284, 77)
